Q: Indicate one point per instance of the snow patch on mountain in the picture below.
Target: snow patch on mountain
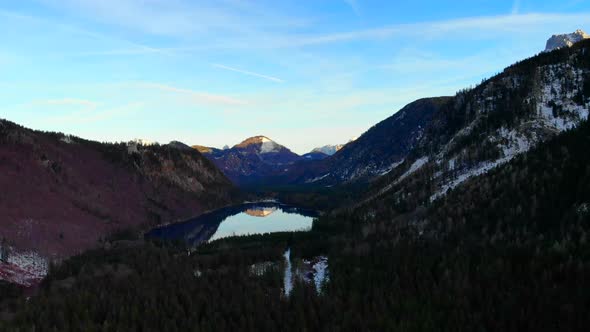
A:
(24, 268)
(313, 271)
(560, 106)
(415, 166)
(556, 107)
(328, 149)
(390, 168)
(511, 142)
(479, 170)
(269, 146)
(320, 275)
(319, 178)
(67, 139)
(557, 111)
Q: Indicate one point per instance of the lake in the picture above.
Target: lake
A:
(245, 219)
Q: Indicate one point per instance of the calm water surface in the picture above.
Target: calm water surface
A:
(246, 219)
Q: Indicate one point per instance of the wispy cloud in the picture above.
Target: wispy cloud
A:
(235, 29)
(196, 97)
(179, 18)
(123, 52)
(86, 104)
(131, 46)
(60, 105)
(249, 73)
(74, 111)
(483, 26)
(99, 115)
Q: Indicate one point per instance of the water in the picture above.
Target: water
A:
(246, 219)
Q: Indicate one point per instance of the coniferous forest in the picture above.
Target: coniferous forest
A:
(508, 251)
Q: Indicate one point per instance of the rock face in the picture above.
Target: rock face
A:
(565, 40)
(61, 194)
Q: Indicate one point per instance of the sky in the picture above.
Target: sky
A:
(305, 73)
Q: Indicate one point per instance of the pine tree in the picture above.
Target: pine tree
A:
(4, 251)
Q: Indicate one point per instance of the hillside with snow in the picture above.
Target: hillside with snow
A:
(489, 125)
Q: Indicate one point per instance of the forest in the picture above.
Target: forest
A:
(507, 251)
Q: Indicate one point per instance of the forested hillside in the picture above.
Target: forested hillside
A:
(486, 126)
(507, 251)
(61, 194)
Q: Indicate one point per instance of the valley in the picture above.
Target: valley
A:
(456, 213)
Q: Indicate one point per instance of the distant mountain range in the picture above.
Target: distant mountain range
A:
(328, 149)
(507, 114)
(315, 155)
(259, 159)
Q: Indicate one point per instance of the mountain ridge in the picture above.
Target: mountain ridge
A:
(485, 127)
(565, 40)
(67, 192)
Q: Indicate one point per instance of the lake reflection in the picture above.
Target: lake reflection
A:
(246, 219)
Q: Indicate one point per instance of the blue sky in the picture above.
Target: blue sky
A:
(304, 73)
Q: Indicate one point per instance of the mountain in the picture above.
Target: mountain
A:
(513, 242)
(476, 217)
(565, 40)
(205, 149)
(61, 194)
(328, 149)
(482, 128)
(521, 228)
(251, 160)
(315, 155)
(179, 145)
(332, 149)
(462, 136)
(386, 144)
(268, 150)
(374, 153)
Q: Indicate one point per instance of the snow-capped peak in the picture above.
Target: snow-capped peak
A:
(265, 144)
(328, 149)
(332, 149)
(254, 140)
(565, 40)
